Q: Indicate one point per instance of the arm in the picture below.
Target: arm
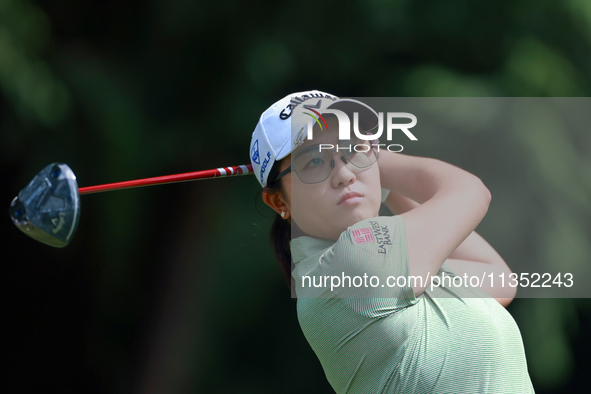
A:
(452, 203)
(473, 257)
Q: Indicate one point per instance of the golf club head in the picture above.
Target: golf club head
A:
(48, 208)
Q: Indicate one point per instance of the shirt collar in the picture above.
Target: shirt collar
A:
(304, 247)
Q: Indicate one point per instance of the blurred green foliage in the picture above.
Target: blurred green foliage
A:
(175, 289)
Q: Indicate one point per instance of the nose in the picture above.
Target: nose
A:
(343, 172)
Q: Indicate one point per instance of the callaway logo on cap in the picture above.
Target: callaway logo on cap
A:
(279, 132)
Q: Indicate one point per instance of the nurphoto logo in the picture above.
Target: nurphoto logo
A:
(391, 124)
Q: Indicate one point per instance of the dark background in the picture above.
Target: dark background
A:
(174, 289)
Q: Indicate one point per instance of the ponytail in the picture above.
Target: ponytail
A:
(280, 236)
(280, 230)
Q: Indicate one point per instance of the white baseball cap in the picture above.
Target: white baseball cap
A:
(281, 127)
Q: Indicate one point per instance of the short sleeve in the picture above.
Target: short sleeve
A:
(370, 260)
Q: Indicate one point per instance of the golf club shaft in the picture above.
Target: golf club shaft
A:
(160, 180)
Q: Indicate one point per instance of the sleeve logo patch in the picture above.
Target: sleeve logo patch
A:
(362, 235)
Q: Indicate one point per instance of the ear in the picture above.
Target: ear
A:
(276, 202)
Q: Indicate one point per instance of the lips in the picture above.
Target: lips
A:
(350, 198)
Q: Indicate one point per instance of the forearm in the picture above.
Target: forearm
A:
(475, 256)
(474, 248)
(397, 203)
(414, 180)
(490, 271)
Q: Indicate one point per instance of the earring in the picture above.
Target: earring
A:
(283, 214)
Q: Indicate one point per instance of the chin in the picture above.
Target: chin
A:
(355, 218)
(333, 225)
(363, 213)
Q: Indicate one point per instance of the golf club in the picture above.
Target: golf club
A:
(48, 208)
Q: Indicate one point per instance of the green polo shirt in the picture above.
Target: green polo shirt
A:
(374, 336)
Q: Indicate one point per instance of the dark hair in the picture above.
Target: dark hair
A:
(280, 234)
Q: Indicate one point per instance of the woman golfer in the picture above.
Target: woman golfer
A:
(378, 298)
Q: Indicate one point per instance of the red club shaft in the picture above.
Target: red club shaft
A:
(160, 180)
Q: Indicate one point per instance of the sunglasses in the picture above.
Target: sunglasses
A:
(315, 163)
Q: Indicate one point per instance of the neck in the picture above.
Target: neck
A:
(296, 231)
